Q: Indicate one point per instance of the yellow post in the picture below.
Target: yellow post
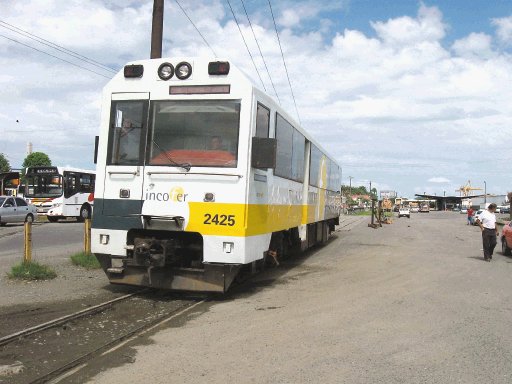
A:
(87, 236)
(27, 254)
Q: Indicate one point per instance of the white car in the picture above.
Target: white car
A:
(16, 210)
(404, 211)
(477, 216)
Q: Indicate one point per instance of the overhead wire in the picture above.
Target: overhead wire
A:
(197, 29)
(284, 62)
(57, 57)
(55, 46)
(261, 53)
(246, 46)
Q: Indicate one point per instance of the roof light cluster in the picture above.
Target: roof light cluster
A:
(182, 70)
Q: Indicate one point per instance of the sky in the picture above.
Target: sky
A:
(412, 96)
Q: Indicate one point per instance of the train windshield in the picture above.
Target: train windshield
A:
(199, 133)
(43, 185)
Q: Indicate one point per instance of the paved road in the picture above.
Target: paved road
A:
(412, 302)
(48, 239)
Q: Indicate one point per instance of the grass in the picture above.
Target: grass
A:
(85, 260)
(363, 213)
(31, 271)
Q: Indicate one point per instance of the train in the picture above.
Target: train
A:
(200, 176)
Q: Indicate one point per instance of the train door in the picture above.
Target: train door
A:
(125, 155)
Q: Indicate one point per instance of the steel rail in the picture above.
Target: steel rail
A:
(67, 370)
(53, 323)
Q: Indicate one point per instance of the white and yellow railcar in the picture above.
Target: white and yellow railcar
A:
(198, 172)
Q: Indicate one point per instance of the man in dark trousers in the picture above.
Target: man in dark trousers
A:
(487, 224)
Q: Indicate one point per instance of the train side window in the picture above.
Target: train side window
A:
(262, 121)
(284, 136)
(314, 170)
(299, 146)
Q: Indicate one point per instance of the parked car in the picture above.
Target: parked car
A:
(477, 216)
(464, 210)
(404, 211)
(505, 209)
(425, 208)
(16, 210)
(415, 209)
(506, 239)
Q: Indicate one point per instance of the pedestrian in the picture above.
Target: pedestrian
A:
(471, 214)
(487, 224)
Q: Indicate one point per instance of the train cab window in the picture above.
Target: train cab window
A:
(125, 136)
(262, 121)
(200, 133)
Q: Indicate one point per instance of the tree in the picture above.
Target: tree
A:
(4, 163)
(36, 159)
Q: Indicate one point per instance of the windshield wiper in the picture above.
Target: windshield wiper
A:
(185, 166)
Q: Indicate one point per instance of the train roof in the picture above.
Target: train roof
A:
(238, 81)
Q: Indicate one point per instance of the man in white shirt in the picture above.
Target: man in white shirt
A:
(487, 224)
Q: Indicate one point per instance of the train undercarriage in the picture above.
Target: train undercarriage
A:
(174, 260)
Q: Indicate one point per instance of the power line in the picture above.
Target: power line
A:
(49, 54)
(246, 46)
(54, 46)
(284, 62)
(198, 31)
(261, 53)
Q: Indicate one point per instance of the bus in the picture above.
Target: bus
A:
(60, 192)
(9, 183)
(203, 178)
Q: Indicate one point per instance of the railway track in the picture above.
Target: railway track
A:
(61, 320)
(57, 349)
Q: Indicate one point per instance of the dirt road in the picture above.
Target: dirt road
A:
(412, 302)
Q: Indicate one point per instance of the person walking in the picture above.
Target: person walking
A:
(470, 216)
(487, 224)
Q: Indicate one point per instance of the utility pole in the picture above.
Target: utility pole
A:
(350, 186)
(157, 29)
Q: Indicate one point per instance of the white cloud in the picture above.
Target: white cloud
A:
(397, 107)
(439, 180)
(503, 28)
(427, 26)
(476, 44)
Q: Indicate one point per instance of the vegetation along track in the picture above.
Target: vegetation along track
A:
(52, 350)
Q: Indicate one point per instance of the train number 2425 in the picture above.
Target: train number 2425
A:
(219, 219)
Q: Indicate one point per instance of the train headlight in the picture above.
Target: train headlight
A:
(165, 71)
(183, 70)
(208, 197)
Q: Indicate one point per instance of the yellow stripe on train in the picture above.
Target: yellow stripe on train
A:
(223, 219)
